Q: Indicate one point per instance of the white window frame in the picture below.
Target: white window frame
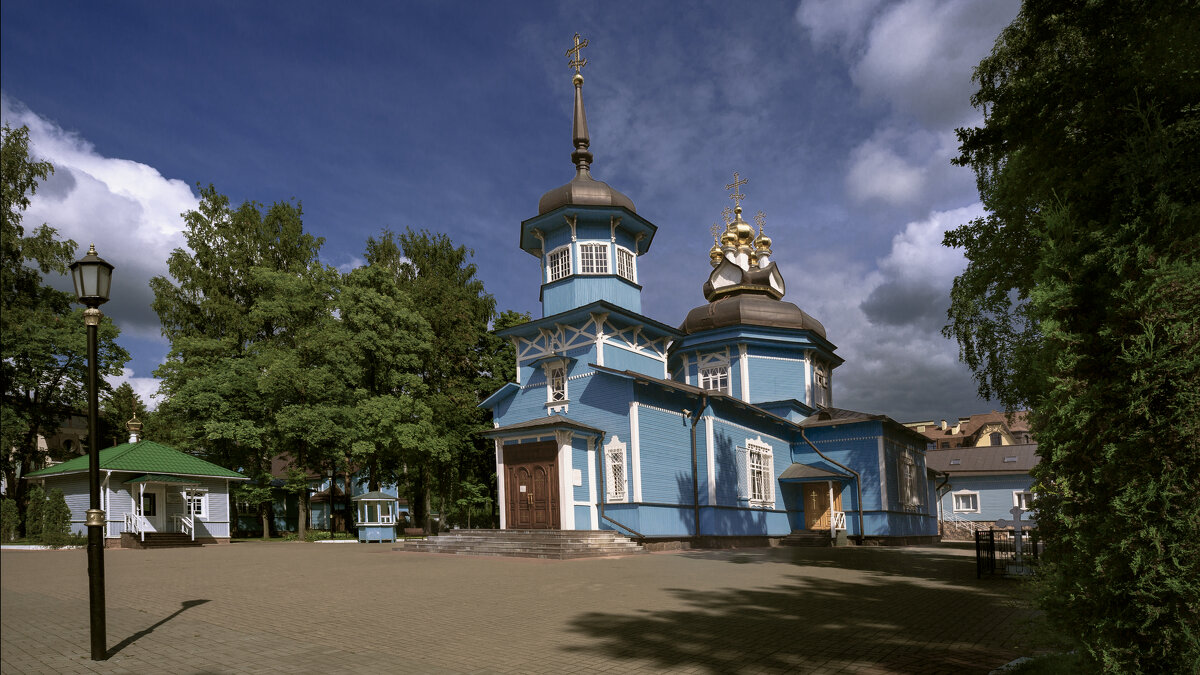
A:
(615, 474)
(821, 393)
(557, 374)
(1023, 499)
(715, 378)
(558, 263)
(760, 474)
(954, 496)
(626, 264)
(593, 257)
(189, 500)
(909, 489)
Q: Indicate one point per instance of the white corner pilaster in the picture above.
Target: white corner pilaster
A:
(635, 451)
(593, 511)
(711, 458)
(500, 475)
(744, 367)
(566, 487)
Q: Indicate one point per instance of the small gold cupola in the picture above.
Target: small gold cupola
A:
(134, 427)
(762, 243)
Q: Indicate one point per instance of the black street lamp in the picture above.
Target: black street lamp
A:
(93, 278)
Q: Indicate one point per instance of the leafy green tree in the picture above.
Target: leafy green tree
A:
(1080, 300)
(43, 341)
(259, 494)
(498, 365)
(441, 279)
(210, 380)
(391, 425)
(117, 408)
(303, 365)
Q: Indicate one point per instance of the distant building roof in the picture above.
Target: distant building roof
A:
(987, 459)
(142, 457)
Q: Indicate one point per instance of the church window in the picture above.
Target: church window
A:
(593, 258)
(558, 264)
(626, 264)
(911, 489)
(715, 379)
(966, 502)
(760, 474)
(821, 378)
(558, 384)
(614, 460)
(997, 439)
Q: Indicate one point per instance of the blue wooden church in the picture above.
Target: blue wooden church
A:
(720, 428)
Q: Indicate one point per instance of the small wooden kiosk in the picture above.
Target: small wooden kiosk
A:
(376, 515)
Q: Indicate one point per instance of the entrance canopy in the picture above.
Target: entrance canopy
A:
(802, 473)
(162, 478)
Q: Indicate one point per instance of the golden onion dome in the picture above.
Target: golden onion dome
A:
(715, 254)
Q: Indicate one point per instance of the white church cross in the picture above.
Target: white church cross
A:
(1017, 524)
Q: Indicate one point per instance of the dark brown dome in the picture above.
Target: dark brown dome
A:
(583, 190)
(749, 309)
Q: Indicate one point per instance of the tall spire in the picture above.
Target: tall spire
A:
(579, 130)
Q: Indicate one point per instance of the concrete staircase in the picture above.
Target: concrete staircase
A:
(159, 540)
(549, 544)
(819, 539)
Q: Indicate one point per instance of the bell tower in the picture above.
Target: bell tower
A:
(587, 235)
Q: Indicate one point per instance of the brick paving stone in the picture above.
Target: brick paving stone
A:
(300, 608)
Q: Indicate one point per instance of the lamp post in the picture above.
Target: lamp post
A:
(93, 278)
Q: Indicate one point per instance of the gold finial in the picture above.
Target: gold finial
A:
(737, 195)
(577, 61)
(727, 214)
(92, 249)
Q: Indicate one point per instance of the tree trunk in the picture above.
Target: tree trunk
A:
(302, 513)
(262, 511)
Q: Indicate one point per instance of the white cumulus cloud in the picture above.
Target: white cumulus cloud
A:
(129, 210)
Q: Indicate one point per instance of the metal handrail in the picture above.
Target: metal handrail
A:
(188, 526)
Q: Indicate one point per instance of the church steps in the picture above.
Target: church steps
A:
(818, 539)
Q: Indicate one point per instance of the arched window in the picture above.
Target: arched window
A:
(997, 438)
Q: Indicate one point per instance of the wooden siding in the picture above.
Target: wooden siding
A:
(776, 379)
(582, 289)
(995, 495)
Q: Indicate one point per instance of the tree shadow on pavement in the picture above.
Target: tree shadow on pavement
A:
(881, 624)
(923, 563)
(184, 606)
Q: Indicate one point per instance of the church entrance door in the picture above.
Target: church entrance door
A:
(531, 486)
(816, 504)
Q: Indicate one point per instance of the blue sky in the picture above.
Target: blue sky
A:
(455, 117)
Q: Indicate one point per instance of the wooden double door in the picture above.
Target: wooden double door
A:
(531, 486)
(816, 504)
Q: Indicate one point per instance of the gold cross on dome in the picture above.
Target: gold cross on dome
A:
(727, 214)
(759, 219)
(716, 230)
(737, 195)
(577, 61)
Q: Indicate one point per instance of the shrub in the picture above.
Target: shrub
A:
(10, 520)
(33, 512)
(56, 520)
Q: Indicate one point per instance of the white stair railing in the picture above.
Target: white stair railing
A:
(136, 524)
(839, 521)
(187, 526)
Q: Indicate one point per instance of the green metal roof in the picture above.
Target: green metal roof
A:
(142, 457)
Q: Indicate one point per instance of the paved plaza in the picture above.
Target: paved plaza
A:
(325, 608)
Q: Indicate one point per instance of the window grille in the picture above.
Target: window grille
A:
(615, 456)
(195, 505)
(760, 475)
(593, 258)
(715, 379)
(911, 492)
(558, 384)
(626, 264)
(559, 263)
